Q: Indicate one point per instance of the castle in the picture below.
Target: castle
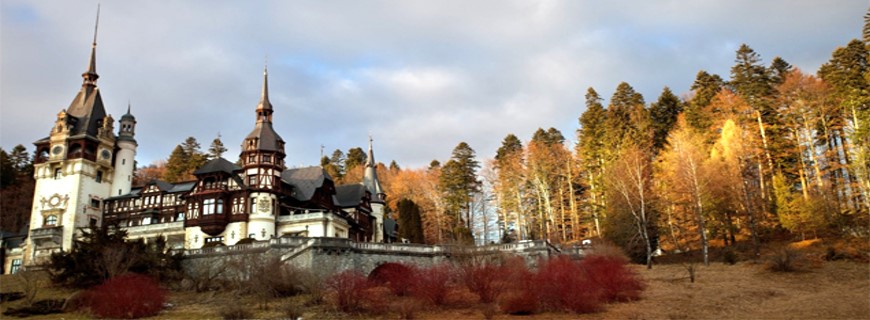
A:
(84, 173)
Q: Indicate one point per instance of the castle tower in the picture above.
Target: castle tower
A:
(262, 159)
(73, 169)
(125, 155)
(370, 181)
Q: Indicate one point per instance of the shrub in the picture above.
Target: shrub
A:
(563, 284)
(481, 278)
(292, 311)
(432, 284)
(348, 287)
(518, 302)
(406, 307)
(613, 277)
(126, 296)
(488, 311)
(729, 256)
(376, 300)
(783, 261)
(395, 276)
(235, 311)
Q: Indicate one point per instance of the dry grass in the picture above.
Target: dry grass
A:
(822, 290)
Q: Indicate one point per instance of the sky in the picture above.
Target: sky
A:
(418, 76)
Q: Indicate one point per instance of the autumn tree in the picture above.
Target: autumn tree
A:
(686, 180)
(631, 199)
(509, 184)
(848, 74)
(184, 160)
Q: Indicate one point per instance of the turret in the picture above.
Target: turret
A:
(125, 155)
(373, 186)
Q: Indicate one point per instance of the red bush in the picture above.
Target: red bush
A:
(562, 285)
(432, 284)
(482, 279)
(612, 275)
(348, 287)
(126, 296)
(395, 276)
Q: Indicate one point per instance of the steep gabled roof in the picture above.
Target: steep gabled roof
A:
(305, 181)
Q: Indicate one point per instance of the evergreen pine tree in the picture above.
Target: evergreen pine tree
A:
(663, 114)
(704, 89)
(410, 222)
(217, 149)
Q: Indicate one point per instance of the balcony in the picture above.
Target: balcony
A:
(47, 237)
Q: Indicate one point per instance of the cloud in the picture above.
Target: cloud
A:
(420, 76)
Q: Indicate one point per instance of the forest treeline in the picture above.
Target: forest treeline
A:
(768, 151)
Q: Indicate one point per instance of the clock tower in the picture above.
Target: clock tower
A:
(81, 162)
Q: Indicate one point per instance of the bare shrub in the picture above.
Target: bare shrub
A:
(127, 296)
(432, 284)
(482, 279)
(347, 288)
(406, 307)
(234, 311)
(204, 274)
(29, 282)
(397, 277)
(783, 260)
(292, 311)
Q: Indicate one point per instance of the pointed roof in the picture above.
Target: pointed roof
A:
(263, 134)
(87, 107)
(264, 95)
(128, 115)
(370, 178)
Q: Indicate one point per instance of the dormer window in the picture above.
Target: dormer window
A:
(51, 220)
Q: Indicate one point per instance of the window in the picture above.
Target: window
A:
(179, 216)
(252, 180)
(123, 161)
(267, 158)
(119, 191)
(57, 174)
(95, 203)
(51, 220)
(208, 206)
(214, 239)
(99, 177)
(252, 158)
(253, 205)
(16, 264)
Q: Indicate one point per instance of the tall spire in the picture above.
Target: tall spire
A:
(264, 108)
(370, 159)
(370, 176)
(90, 76)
